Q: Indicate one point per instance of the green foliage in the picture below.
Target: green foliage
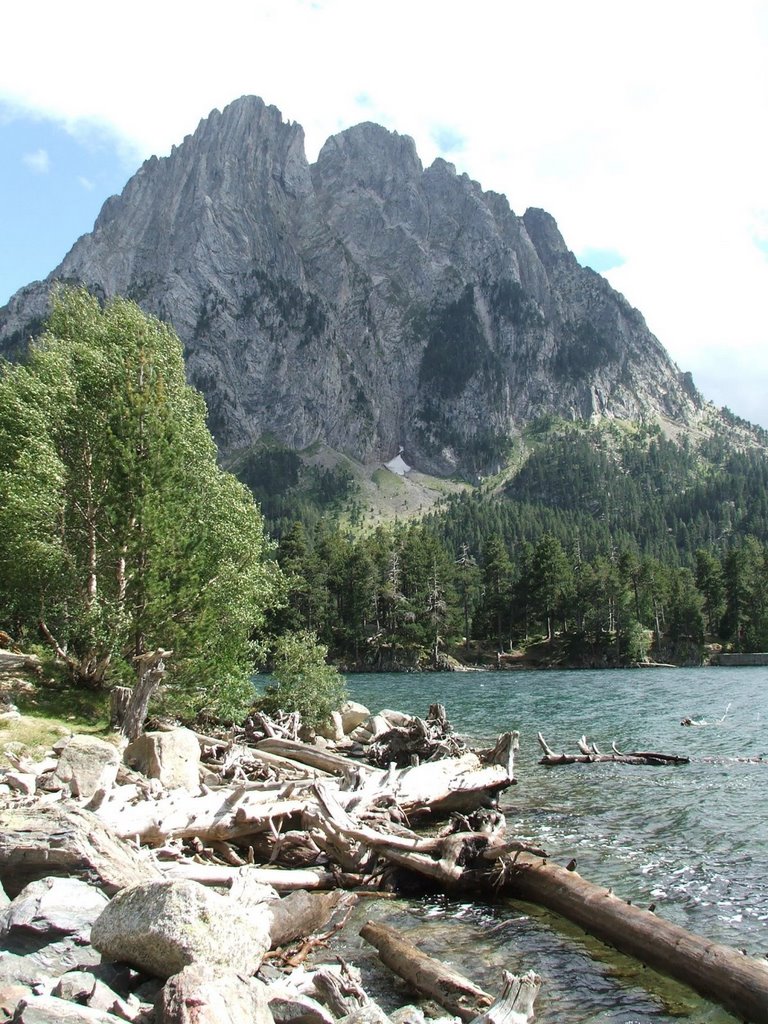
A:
(637, 642)
(456, 347)
(586, 350)
(288, 490)
(126, 535)
(303, 680)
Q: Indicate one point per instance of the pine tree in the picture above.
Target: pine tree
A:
(126, 534)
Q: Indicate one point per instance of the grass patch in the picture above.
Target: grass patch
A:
(47, 714)
(387, 482)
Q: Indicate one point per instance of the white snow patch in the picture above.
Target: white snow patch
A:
(398, 465)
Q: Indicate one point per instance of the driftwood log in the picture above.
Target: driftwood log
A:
(352, 824)
(450, 989)
(590, 754)
(736, 981)
(427, 976)
(235, 812)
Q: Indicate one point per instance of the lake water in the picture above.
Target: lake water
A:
(693, 839)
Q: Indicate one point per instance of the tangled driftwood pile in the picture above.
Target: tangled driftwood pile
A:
(103, 853)
(227, 856)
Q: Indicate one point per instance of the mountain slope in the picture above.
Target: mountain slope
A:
(363, 302)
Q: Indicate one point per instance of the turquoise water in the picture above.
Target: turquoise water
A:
(692, 839)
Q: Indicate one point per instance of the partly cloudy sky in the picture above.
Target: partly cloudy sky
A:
(640, 126)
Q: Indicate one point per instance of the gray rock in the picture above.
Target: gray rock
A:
(202, 994)
(43, 965)
(51, 1010)
(352, 715)
(413, 307)
(74, 986)
(11, 994)
(163, 926)
(65, 840)
(87, 764)
(171, 757)
(48, 909)
(16, 969)
(22, 782)
(288, 1006)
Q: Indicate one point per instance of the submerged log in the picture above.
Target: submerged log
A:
(469, 861)
(429, 977)
(590, 754)
(736, 981)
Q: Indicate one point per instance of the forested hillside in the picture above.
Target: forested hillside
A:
(609, 545)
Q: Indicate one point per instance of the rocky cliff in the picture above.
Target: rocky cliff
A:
(364, 300)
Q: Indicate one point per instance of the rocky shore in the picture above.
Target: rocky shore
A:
(105, 849)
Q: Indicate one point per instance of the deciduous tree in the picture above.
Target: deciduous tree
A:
(123, 533)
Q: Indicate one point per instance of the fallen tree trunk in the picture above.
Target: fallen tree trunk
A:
(736, 981)
(281, 879)
(221, 814)
(438, 787)
(324, 760)
(590, 754)
(429, 977)
(468, 861)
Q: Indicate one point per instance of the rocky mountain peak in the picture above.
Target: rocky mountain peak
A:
(368, 156)
(544, 233)
(363, 302)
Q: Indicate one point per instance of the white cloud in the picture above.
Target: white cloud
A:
(86, 183)
(39, 162)
(638, 125)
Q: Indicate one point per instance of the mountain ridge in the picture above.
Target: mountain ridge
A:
(364, 302)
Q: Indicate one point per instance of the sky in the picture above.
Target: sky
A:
(642, 127)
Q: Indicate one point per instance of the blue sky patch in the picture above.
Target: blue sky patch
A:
(52, 186)
(447, 139)
(600, 260)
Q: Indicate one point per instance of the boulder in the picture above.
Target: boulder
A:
(52, 1010)
(64, 839)
(287, 1005)
(48, 909)
(171, 757)
(369, 729)
(397, 718)
(11, 994)
(87, 764)
(22, 782)
(163, 926)
(202, 994)
(332, 729)
(352, 714)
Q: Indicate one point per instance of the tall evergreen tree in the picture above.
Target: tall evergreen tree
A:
(125, 533)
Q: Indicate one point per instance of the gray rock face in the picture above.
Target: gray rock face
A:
(51, 1010)
(363, 301)
(50, 908)
(87, 764)
(201, 994)
(163, 926)
(172, 757)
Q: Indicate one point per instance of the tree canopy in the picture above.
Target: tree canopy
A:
(120, 531)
